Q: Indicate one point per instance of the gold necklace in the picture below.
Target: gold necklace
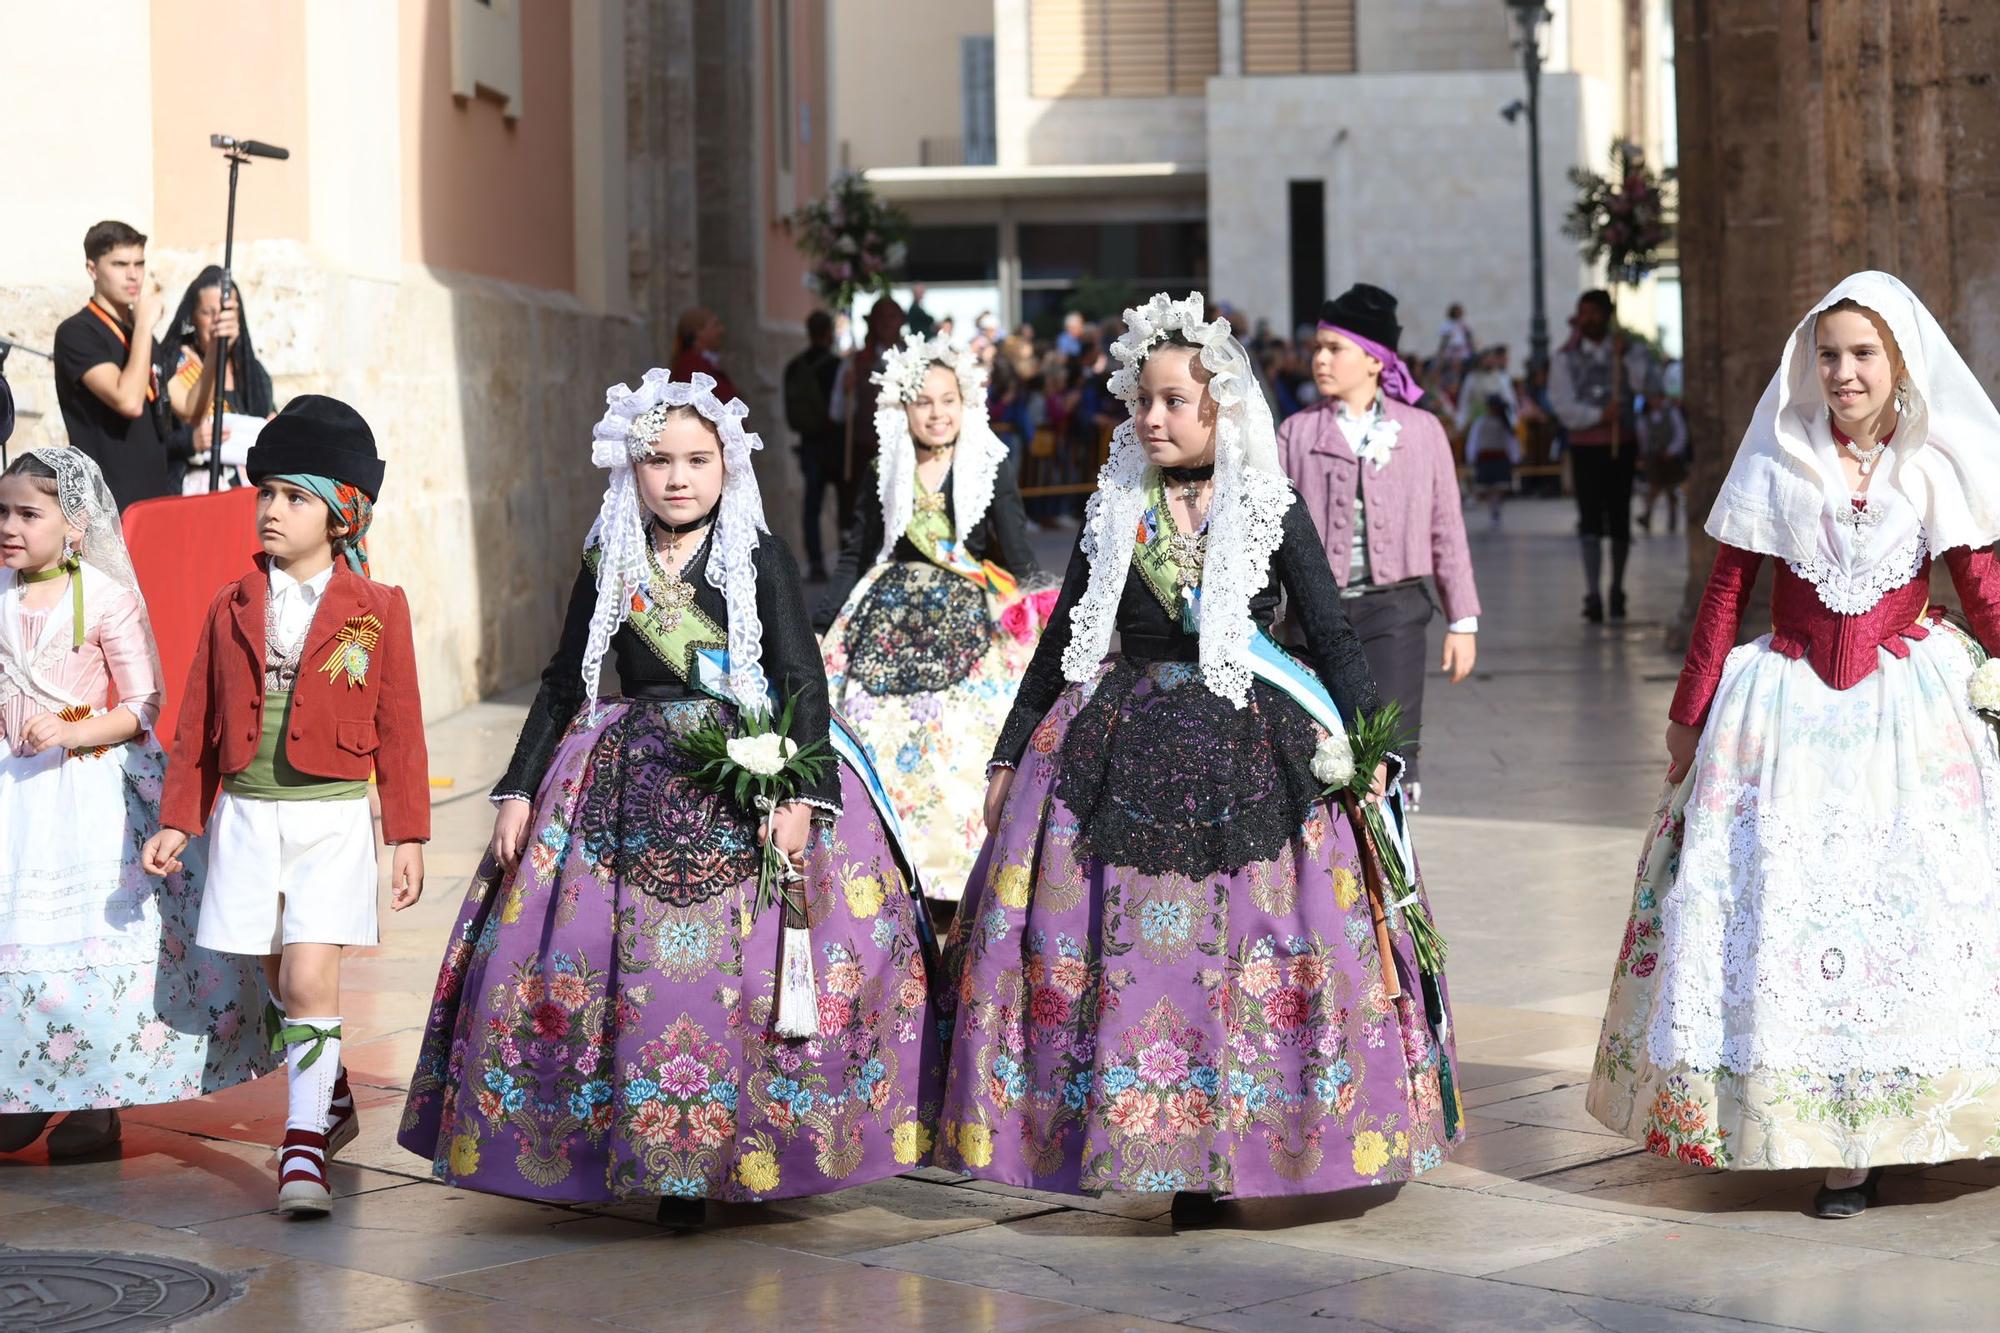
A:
(674, 595)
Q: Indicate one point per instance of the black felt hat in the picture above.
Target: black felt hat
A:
(321, 436)
(1365, 310)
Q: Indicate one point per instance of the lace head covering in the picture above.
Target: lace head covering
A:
(87, 505)
(980, 452)
(86, 502)
(1944, 457)
(631, 422)
(1246, 512)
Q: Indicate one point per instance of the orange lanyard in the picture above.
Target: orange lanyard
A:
(124, 340)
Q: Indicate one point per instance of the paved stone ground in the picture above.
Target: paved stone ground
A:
(1543, 770)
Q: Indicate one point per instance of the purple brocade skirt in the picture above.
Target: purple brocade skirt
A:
(601, 1027)
(1223, 1031)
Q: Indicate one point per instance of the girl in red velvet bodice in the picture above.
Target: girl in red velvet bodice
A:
(1811, 972)
(1841, 648)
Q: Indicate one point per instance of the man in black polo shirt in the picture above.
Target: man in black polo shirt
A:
(106, 383)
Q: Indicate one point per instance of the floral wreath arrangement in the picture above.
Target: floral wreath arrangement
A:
(1625, 218)
(854, 240)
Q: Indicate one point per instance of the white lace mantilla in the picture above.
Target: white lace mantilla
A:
(624, 435)
(1246, 512)
(1837, 902)
(979, 454)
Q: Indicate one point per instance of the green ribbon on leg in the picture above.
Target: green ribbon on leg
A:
(291, 1034)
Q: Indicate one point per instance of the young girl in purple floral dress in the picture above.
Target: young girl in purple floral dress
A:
(1167, 970)
(603, 1025)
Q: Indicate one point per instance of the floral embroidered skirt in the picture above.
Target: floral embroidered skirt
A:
(1225, 1032)
(1811, 973)
(602, 1023)
(105, 999)
(919, 666)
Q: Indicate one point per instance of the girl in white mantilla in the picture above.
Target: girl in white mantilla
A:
(1809, 975)
(105, 999)
(934, 628)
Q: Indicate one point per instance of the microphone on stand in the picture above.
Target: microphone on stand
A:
(249, 147)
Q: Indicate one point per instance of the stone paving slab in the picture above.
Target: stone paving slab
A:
(1543, 770)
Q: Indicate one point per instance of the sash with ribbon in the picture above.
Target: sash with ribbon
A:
(931, 532)
(674, 626)
(1276, 668)
(1158, 552)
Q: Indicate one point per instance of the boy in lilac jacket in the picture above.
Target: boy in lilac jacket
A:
(1377, 475)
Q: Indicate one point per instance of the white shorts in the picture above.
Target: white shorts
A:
(288, 872)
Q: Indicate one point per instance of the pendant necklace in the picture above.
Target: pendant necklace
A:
(1190, 549)
(1867, 458)
(675, 594)
(931, 501)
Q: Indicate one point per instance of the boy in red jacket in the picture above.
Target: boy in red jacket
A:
(304, 682)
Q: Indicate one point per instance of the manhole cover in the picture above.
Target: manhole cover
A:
(45, 1292)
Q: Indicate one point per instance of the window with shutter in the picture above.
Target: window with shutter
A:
(1298, 36)
(1121, 48)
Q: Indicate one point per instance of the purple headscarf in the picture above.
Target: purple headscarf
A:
(1397, 381)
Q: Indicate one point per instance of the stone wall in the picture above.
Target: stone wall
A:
(1816, 140)
(482, 393)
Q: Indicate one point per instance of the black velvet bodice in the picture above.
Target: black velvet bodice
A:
(1147, 633)
(791, 663)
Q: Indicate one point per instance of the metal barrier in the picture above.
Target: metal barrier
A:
(1050, 467)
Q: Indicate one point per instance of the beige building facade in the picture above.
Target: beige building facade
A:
(1255, 148)
(492, 210)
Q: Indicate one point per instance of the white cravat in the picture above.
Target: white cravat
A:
(1372, 436)
(293, 602)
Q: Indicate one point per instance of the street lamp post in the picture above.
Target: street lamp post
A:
(1531, 14)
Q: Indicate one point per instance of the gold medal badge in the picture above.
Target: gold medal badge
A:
(353, 650)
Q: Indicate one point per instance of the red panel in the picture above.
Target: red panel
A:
(184, 549)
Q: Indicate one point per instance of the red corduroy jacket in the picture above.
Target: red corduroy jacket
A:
(339, 731)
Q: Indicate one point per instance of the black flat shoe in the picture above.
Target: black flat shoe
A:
(1835, 1204)
(1593, 609)
(682, 1214)
(1195, 1210)
(1617, 606)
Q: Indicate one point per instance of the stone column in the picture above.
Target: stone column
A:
(1819, 137)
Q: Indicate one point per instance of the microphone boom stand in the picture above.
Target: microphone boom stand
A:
(238, 151)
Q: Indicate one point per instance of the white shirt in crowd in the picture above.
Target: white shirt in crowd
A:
(1566, 398)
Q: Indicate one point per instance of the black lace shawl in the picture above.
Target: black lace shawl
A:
(791, 664)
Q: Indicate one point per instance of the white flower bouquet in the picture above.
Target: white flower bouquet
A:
(760, 767)
(1983, 690)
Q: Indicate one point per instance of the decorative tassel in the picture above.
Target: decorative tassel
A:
(798, 988)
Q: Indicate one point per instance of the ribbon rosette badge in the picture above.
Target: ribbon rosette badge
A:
(352, 651)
